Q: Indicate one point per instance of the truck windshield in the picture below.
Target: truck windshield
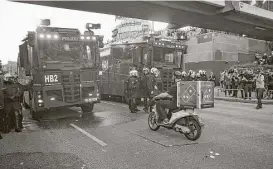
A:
(60, 51)
(164, 55)
(167, 56)
(77, 52)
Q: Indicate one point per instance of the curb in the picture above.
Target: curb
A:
(254, 101)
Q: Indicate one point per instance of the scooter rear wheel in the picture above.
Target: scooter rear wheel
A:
(195, 130)
(152, 121)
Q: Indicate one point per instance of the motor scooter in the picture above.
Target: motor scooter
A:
(182, 120)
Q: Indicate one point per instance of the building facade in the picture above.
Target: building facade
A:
(128, 28)
(10, 67)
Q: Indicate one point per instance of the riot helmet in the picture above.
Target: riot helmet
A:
(155, 71)
(133, 73)
(177, 76)
(8, 78)
(145, 70)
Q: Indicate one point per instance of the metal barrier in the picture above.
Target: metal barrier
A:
(267, 92)
(223, 90)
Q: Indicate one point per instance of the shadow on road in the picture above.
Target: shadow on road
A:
(35, 160)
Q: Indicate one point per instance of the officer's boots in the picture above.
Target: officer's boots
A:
(20, 121)
(0, 137)
(6, 126)
(17, 122)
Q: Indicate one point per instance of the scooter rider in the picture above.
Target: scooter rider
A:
(19, 100)
(169, 102)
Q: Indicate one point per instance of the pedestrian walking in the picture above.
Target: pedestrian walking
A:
(259, 88)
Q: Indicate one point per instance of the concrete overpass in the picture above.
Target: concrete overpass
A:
(230, 16)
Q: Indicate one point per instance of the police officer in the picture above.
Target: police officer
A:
(198, 77)
(184, 76)
(12, 103)
(189, 75)
(147, 86)
(132, 89)
(19, 100)
(192, 76)
(203, 75)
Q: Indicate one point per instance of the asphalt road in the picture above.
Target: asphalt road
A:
(236, 136)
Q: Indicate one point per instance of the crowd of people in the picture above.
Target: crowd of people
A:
(244, 81)
(264, 59)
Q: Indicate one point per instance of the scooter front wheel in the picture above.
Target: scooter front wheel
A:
(195, 130)
(152, 121)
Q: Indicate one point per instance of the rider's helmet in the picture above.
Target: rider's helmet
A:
(145, 70)
(200, 72)
(184, 73)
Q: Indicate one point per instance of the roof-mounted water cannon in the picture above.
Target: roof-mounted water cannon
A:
(45, 22)
(90, 26)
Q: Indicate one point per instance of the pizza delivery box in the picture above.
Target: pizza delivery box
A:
(196, 94)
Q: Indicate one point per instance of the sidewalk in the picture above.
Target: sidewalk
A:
(219, 95)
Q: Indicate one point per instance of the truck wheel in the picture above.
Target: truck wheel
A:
(86, 108)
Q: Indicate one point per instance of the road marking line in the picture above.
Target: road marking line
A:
(89, 135)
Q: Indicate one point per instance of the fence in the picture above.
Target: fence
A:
(266, 94)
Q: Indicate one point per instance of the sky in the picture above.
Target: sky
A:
(16, 19)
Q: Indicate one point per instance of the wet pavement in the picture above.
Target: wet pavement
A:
(236, 135)
(35, 160)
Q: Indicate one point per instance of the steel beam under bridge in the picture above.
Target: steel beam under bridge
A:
(230, 16)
